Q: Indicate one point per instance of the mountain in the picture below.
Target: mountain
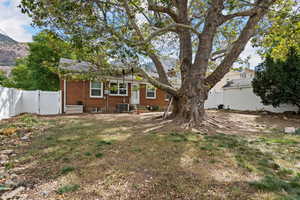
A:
(10, 50)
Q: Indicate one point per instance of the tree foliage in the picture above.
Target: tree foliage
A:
(280, 32)
(278, 82)
(4, 80)
(38, 71)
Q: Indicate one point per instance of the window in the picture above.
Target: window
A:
(150, 92)
(96, 89)
(118, 89)
(122, 89)
(114, 88)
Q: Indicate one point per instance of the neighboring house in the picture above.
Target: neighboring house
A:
(238, 95)
(112, 95)
(233, 75)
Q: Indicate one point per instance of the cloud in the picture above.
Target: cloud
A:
(13, 22)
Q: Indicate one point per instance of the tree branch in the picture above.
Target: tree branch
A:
(218, 52)
(159, 66)
(206, 40)
(249, 12)
(162, 9)
(169, 28)
(238, 46)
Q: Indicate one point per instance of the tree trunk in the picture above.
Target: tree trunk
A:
(188, 107)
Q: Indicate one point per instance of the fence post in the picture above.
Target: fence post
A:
(59, 102)
(10, 102)
(39, 101)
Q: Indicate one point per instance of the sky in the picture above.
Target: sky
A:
(18, 26)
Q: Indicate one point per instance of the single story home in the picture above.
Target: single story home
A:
(111, 94)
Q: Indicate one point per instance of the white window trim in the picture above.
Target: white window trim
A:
(147, 92)
(91, 96)
(119, 82)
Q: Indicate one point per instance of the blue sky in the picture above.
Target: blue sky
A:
(17, 26)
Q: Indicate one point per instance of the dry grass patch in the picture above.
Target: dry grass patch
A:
(141, 157)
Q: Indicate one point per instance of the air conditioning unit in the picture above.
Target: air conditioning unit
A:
(123, 107)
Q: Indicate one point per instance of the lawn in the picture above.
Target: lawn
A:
(126, 156)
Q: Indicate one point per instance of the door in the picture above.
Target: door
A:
(135, 94)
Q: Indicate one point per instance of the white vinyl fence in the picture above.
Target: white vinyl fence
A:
(14, 102)
(242, 99)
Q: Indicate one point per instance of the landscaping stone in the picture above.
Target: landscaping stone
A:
(25, 138)
(4, 188)
(12, 194)
(3, 157)
(3, 174)
(23, 197)
(290, 130)
(6, 152)
(15, 181)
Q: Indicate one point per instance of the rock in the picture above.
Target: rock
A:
(3, 157)
(290, 130)
(4, 188)
(6, 152)
(45, 193)
(15, 181)
(12, 194)
(10, 183)
(25, 138)
(23, 197)
(3, 174)
(297, 165)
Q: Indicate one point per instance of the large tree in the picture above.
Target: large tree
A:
(277, 82)
(199, 32)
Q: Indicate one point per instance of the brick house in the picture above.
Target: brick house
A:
(106, 96)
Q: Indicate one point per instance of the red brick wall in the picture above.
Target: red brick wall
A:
(80, 91)
(158, 101)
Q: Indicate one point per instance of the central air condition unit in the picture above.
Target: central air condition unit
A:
(123, 107)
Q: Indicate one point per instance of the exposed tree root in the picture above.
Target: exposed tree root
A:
(208, 124)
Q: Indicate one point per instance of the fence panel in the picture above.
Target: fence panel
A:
(49, 103)
(245, 99)
(30, 102)
(14, 102)
(5, 102)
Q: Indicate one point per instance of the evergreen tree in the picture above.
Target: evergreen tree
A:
(278, 82)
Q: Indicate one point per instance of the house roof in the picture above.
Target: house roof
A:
(238, 83)
(74, 65)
